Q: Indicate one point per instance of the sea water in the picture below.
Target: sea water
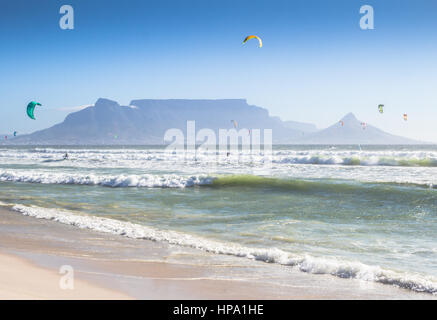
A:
(368, 213)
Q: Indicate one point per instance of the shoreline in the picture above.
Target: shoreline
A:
(114, 267)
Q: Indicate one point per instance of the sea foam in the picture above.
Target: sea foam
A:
(144, 180)
(305, 263)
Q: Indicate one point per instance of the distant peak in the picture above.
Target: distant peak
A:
(349, 117)
(102, 102)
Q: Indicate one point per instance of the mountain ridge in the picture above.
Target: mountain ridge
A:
(145, 121)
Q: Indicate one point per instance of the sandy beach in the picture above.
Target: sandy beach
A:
(113, 267)
(20, 280)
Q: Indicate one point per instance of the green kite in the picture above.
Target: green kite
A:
(31, 107)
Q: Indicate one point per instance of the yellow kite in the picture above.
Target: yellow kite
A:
(254, 37)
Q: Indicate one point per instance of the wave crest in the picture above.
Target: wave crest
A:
(360, 161)
(305, 263)
(145, 180)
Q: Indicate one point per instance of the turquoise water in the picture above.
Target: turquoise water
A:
(369, 214)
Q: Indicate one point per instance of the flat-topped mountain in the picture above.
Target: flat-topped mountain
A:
(146, 121)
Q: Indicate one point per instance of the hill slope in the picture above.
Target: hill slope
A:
(352, 132)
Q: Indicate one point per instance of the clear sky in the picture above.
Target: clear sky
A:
(316, 64)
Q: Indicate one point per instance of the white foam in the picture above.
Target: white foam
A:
(132, 157)
(305, 263)
(145, 180)
(359, 160)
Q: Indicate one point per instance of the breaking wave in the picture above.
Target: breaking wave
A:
(360, 161)
(302, 184)
(115, 181)
(132, 156)
(217, 181)
(305, 263)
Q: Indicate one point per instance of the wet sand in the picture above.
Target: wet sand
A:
(107, 266)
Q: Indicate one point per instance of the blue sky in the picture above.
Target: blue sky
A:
(315, 66)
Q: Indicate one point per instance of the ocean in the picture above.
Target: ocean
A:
(362, 212)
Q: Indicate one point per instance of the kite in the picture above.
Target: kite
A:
(31, 107)
(235, 123)
(381, 108)
(254, 37)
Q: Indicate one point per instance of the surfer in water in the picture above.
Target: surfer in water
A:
(66, 156)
